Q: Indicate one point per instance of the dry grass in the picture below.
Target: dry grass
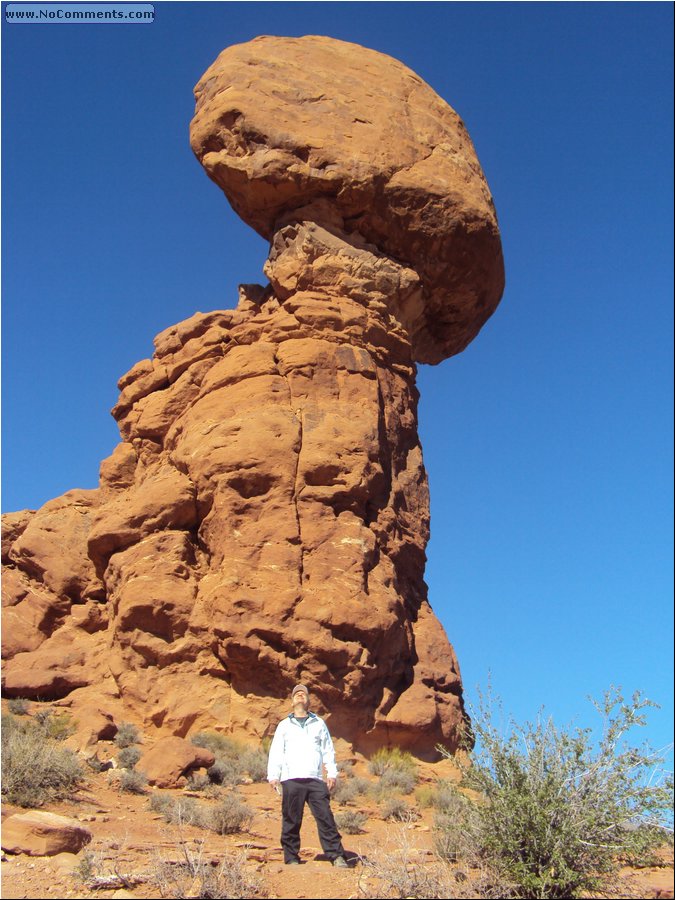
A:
(229, 815)
(189, 872)
(400, 870)
(35, 769)
(351, 821)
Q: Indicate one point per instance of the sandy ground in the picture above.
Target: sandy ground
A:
(131, 840)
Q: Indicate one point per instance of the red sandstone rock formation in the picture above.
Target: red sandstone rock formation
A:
(265, 518)
(38, 833)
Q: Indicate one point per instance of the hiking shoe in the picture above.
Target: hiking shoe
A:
(340, 862)
(293, 862)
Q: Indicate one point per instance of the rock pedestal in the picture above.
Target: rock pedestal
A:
(265, 518)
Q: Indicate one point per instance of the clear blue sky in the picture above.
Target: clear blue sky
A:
(548, 441)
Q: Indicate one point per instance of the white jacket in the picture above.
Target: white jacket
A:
(300, 751)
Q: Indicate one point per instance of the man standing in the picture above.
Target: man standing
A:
(301, 747)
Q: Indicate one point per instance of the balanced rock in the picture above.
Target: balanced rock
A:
(38, 833)
(265, 517)
(323, 130)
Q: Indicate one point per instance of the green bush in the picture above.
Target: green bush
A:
(387, 759)
(35, 769)
(127, 734)
(559, 809)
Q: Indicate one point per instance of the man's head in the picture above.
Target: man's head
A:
(300, 697)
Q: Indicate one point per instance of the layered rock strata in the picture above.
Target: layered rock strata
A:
(265, 517)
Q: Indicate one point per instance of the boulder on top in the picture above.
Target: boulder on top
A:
(317, 129)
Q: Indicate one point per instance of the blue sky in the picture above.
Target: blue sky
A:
(548, 442)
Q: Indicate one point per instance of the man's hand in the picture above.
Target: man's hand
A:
(331, 782)
(275, 784)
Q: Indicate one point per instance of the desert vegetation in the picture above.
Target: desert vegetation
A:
(536, 811)
(36, 768)
(228, 815)
(189, 873)
(554, 813)
(235, 761)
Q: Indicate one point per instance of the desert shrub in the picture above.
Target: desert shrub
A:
(452, 835)
(345, 792)
(228, 816)
(346, 768)
(189, 873)
(160, 803)
(132, 782)
(218, 744)
(198, 782)
(18, 706)
(402, 780)
(362, 785)
(226, 770)
(396, 871)
(445, 796)
(35, 769)
(88, 866)
(394, 809)
(127, 734)
(175, 810)
(234, 761)
(560, 809)
(42, 715)
(60, 726)
(351, 821)
(386, 759)
(438, 795)
(128, 757)
(254, 762)
(54, 725)
(424, 796)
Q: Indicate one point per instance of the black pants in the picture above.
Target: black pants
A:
(297, 792)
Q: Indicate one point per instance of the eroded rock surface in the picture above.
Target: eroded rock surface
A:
(37, 833)
(265, 517)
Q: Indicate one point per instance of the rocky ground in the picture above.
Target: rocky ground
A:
(131, 845)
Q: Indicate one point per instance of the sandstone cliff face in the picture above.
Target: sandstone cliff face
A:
(265, 517)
